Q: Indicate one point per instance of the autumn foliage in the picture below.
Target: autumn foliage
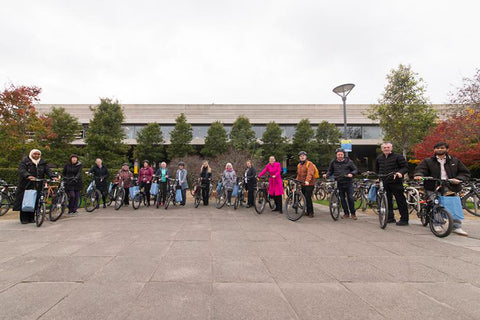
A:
(461, 132)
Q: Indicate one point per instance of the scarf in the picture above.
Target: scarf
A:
(31, 158)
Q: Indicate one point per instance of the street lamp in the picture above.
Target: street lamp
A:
(343, 91)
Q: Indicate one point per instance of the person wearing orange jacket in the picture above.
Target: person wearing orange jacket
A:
(306, 174)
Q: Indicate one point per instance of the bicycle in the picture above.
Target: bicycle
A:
(59, 201)
(118, 192)
(221, 195)
(412, 195)
(295, 204)
(172, 188)
(41, 205)
(262, 197)
(159, 196)
(139, 198)
(471, 200)
(196, 192)
(92, 197)
(240, 199)
(7, 196)
(433, 213)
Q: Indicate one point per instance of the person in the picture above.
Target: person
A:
(72, 171)
(145, 177)
(306, 174)
(343, 169)
(250, 183)
(205, 179)
(163, 174)
(100, 174)
(30, 168)
(125, 176)
(444, 166)
(229, 179)
(181, 177)
(275, 182)
(391, 162)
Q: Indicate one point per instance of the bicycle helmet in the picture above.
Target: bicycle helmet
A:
(181, 163)
(302, 152)
(339, 150)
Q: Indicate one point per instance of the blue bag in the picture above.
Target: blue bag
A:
(154, 189)
(219, 186)
(110, 187)
(90, 187)
(372, 193)
(178, 195)
(454, 206)
(134, 191)
(29, 200)
(235, 190)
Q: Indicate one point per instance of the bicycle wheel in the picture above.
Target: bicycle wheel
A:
(4, 203)
(109, 198)
(423, 218)
(40, 214)
(168, 200)
(197, 199)
(119, 198)
(382, 210)
(295, 206)
(334, 206)
(441, 222)
(271, 203)
(158, 199)
(471, 203)
(91, 201)
(137, 200)
(260, 200)
(59, 203)
(357, 197)
(221, 199)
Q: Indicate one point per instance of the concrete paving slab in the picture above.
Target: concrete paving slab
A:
(240, 269)
(296, 269)
(184, 269)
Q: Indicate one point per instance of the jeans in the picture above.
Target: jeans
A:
(457, 224)
(346, 197)
(307, 192)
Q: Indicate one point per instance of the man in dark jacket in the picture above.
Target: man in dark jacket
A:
(390, 162)
(100, 174)
(343, 169)
(444, 166)
(30, 168)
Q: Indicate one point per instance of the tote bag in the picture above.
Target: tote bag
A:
(29, 200)
(453, 205)
(235, 190)
(133, 191)
(372, 193)
(154, 189)
(178, 195)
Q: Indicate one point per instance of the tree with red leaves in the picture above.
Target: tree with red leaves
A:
(461, 132)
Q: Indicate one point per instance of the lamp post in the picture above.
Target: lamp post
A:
(343, 91)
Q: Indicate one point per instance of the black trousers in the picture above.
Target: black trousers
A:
(163, 190)
(127, 196)
(278, 203)
(146, 187)
(184, 197)
(229, 195)
(346, 197)
(396, 189)
(27, 217)
(251, 197)
(205, 193)
(103, 191)
(307, 192)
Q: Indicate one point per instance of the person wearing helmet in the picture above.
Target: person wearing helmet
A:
(343, 169)
(181, 177)
(145, 176)
(306, 174)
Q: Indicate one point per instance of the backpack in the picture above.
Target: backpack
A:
(316, 174)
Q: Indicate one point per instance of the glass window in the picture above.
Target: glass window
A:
(288, 130)
(166, 129)
(372, 132)
(259, 130)
(200, 131)
(353, 132)
(129, 131)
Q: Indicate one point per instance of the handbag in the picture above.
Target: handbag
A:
(453, 205)
(154, 189)
(235, 190)
(29, 200)
(372, 193)
(178, 195)
(134, 191)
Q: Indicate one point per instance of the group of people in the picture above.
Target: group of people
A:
(441, 165)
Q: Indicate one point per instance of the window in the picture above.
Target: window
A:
(372, 132)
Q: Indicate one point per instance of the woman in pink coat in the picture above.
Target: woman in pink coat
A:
(275, 183)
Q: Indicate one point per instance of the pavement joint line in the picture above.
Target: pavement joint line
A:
(342, 283)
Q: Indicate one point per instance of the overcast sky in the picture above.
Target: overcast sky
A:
(242, 51)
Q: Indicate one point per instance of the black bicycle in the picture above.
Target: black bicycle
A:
(433, 213)
(381, 197)
(295, 204)
(139, 198)
(262, 197)
(7, 196)
(59, 201)
(196, 192)
(471, 200)
(240, 199)
(92, 198)
(118, 194)
(221, 195)
(41, 205)
(172, 188)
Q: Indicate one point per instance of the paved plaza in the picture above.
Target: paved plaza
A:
(187, 263)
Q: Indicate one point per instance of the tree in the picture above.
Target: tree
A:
(403, 112)
(20, 126)
(242, 136)
(303, 139)
(180, 138)
(467, 96)
(461, 132)
(215, 141)
(149, 143)
(327, 139)
(274, 144)
(104, 137)
(64, 130)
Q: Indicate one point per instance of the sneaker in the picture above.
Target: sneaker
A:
(391, 221)
(229, 204)
(402, 223)
(346, 216)
(460, 232)
(354, 217)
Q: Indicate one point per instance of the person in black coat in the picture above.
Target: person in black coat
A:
(30, 168)
(386, 163)
(100, 174)
(205, 179)
(250, 177)
(73, 184)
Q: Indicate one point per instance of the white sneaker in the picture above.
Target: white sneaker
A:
(460, 232)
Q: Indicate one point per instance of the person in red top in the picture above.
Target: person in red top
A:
(145, 176)
(275, 183)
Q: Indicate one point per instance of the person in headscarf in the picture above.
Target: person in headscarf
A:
(30, 168)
